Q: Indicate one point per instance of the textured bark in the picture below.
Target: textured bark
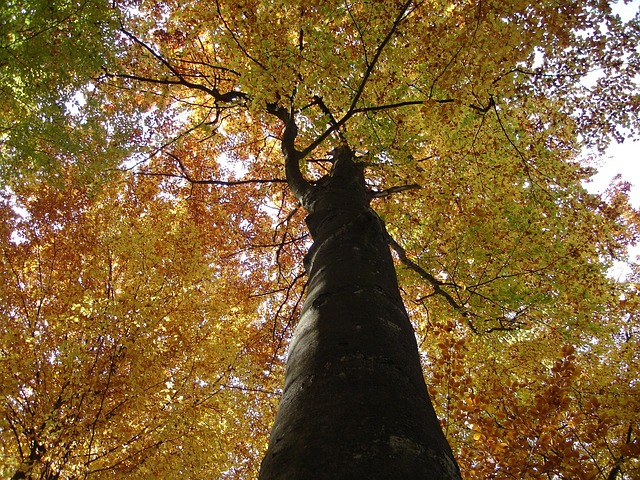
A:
(355, 405)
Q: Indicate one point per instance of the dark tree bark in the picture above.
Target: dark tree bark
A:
(355, 404)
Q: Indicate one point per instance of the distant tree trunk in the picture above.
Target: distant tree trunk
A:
(355, 404)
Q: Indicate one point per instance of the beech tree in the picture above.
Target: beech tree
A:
(380, 195)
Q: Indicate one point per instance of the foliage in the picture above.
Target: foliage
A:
(118, 354)
(49, 51)
(153, 250)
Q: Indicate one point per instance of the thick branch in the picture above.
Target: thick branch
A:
(332, 121)
(322, 137)
(300, 187)
(390, 191)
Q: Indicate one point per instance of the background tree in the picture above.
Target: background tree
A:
(121, 347)
(473, 113)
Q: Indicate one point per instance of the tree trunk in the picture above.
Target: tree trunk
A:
(355, 404)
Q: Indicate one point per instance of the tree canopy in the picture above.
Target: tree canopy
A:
(152, 248)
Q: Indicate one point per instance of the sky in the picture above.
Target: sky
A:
(624, 160)
(620, 159)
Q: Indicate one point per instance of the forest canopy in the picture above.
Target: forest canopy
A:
(152, 246)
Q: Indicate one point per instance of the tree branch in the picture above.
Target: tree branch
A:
(235, 39)
(390, 191)
(332, 121)
(435, 283)
(184, 175)
(214, 92)
(360, 90)
(505, 323)
(401, 16)
(336, 125)
(322, 137)
(300, 187)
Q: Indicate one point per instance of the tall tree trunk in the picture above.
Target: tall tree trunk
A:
(355, 404)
